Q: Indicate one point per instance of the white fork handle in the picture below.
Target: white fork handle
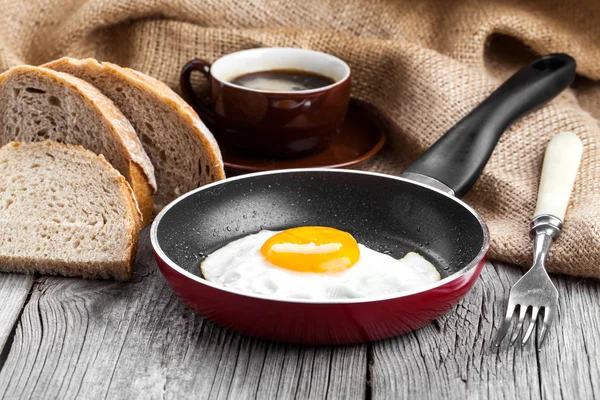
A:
(561, 163)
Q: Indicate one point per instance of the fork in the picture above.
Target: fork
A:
(534, 294)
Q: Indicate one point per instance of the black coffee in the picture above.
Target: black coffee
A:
(283, 80)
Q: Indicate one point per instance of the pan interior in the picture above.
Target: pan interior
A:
(385, 214)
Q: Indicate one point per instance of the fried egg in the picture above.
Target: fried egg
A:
(313, 262)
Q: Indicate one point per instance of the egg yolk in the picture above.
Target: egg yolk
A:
(312, 249)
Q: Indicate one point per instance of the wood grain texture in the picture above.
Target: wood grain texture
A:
(13, 293)
(570, 368)
(89, 339)
(454, 357)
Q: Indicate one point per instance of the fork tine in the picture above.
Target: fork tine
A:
(510, 309)
(548, 318)
(517, 332)
(534, 315)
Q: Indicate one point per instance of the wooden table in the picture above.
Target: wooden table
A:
(73, 338)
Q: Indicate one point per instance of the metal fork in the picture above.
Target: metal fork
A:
(535, 294)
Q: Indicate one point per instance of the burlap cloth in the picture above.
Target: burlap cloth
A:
(422, 64)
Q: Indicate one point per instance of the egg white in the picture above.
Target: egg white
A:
(240, 265)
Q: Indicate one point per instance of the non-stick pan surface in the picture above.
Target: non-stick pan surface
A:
(416, 212)
(387, 214)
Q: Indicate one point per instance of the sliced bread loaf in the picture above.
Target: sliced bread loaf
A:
(38, 104)
(184, 152)
(54, 219)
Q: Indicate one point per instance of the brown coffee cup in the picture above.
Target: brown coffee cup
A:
(275, 124)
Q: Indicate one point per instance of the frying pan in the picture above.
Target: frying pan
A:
(418, 211)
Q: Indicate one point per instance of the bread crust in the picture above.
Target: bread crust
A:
(104, 270)
(179, 106)
(140, 173)
(159, 92)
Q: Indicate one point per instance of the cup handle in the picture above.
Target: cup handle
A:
(204, 111)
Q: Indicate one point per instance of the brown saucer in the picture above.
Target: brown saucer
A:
(361, 137)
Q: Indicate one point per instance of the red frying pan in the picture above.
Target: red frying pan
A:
(418, 211)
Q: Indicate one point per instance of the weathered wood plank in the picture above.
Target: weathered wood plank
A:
(89, 339)
(454, 357)
(571, 369)
(13, 293)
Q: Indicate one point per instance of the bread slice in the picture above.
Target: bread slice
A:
(184, 152)
(38, 104)
(54, 219)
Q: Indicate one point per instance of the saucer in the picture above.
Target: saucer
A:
(362, 135)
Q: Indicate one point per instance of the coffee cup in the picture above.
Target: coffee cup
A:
(272, 102)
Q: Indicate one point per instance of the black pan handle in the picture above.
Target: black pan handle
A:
(458, 158)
